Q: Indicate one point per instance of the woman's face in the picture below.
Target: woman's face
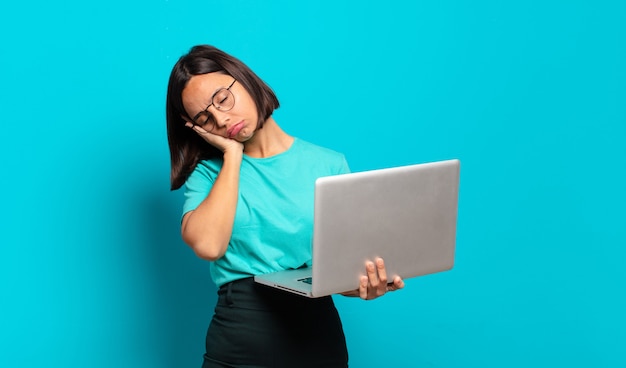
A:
(232, 115)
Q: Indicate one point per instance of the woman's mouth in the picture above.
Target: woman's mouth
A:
(235, 129)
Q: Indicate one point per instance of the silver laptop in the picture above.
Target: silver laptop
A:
(407, 215)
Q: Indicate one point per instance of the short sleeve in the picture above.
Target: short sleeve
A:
(199, 184)
(343, 168)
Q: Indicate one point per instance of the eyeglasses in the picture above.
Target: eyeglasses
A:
(222, 100)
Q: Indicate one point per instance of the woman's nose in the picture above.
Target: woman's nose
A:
(221, 117)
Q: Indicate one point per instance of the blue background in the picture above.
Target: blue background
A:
(530, 96)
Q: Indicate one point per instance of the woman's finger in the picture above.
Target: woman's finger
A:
(382, 272)
(215, 140)
(363, 287)
(397, 284)
(372, 274)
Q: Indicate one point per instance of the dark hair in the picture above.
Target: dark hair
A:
(187, 148)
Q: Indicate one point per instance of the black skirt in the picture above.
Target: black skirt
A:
(259, 326)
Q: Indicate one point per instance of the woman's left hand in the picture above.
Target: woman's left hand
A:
(375, 284)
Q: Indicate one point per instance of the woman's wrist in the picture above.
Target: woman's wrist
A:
(234, 153)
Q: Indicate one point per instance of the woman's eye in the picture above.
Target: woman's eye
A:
(208, 120)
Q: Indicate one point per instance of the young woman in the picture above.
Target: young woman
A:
(249, 210)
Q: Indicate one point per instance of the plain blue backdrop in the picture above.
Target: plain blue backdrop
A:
(530, 96)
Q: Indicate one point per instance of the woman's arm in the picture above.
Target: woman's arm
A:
(208, 228)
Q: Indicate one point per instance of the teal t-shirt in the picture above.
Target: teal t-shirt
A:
(273, 225)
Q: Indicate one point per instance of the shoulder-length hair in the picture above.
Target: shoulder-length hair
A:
(187, 148)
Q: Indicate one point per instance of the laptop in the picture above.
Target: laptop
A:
(406, 215)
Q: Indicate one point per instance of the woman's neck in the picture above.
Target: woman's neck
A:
(268, 141)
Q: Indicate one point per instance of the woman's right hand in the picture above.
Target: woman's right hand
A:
(217, 141)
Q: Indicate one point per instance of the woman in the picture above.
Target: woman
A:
(249, 209)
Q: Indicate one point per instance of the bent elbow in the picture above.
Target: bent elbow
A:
(207, 245)
(207, 252)
(209, 256)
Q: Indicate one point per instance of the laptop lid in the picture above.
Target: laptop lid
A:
(407, 215)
